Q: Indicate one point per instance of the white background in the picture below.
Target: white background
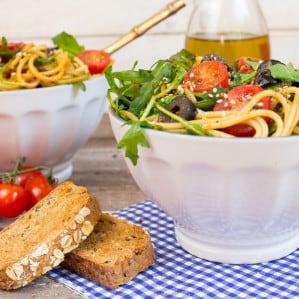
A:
(97, 23)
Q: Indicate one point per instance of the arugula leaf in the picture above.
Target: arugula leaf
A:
(253, 64)
(133, 137)
(80, 85)
(46, 60)
(196, 129)
(283, 72)
(68, 43)
(239, 79)
(183, 58)
(137, 77)
(5, 52)
(207, 100)
(163, 70)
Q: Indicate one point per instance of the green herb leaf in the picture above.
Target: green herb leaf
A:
(239, 79)
(80, 85)
(130, 141)
(68, 43)
(253, 64)
(46, 60)
(184, 59)
(207, 100)
(162, 70)
(196, 129)
(284, 72)
(4, 51)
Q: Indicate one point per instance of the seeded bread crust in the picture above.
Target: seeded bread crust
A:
(114, 253)
(38, 240)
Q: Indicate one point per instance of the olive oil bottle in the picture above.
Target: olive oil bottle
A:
(230, 28)
(230, 46)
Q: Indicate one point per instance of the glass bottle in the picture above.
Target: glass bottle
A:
(230, 28)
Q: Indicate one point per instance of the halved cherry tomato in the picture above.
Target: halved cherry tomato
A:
(206, 75)
(14, 46)
(236, 99)
(243, 67)
(10, 47)
(96, 60)
(22, 179)
(37, 188)
(13, 200)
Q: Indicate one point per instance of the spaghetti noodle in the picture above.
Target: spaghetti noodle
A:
(38, 66)
(286, 121)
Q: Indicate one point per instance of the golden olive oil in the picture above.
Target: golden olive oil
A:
(230, 46)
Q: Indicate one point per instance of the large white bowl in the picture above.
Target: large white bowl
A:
(48, 125)
(232, 200)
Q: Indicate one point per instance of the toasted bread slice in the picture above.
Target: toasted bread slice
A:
(39, 239)
(114, 253)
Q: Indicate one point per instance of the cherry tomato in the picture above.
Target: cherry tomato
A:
(22, 179)
(236, 99)
(243, 67)
(37, 188)
(96, 60)
(13, 200)
(206, 75)
(10, 47)
(14, 46)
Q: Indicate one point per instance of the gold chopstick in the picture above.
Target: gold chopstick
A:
(140, 29)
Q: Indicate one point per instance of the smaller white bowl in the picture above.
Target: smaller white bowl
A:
(233, 200)
(48, 125)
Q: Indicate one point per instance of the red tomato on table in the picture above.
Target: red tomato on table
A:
(96, 60)
(22, 179)
(13, 200)
(37, 188)
(236, 99)
(206, 75)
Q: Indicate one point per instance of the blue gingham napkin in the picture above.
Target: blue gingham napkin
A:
(178, 274)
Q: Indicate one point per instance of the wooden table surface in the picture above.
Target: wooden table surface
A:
(100, 167)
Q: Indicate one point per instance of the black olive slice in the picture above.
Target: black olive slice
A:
(180, 105)
(263, 75)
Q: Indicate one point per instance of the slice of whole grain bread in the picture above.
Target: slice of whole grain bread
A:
(114, 253)
(38, 240)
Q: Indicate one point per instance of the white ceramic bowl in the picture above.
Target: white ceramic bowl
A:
(232, 200)
(48, 125)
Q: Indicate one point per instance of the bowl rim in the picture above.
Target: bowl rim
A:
(213, 139)
(54, 88)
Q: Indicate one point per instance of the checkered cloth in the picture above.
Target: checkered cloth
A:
(177, 274)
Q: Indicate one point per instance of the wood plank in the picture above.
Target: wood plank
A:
(100, 166)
